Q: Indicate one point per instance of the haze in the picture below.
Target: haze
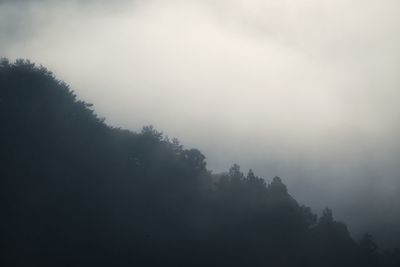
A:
(306, 89)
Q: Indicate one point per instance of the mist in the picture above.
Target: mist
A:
(306, 90)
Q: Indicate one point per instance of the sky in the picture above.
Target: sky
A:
(304, 89)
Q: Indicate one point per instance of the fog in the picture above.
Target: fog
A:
(303, 89)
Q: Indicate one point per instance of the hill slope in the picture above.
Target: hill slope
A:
(75, 191)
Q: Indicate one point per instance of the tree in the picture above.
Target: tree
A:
(326, 218)
(276, 187)
(369, 250)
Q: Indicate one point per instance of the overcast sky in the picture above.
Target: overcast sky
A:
(304, 89)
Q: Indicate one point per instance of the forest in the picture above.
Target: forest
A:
(77, 192)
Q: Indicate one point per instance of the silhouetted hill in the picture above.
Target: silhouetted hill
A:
(77, 192)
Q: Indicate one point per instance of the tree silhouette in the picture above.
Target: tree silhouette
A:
(369, 250)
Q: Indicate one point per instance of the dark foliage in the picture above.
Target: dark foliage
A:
(76, 192)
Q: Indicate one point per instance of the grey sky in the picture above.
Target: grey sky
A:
(304, 89)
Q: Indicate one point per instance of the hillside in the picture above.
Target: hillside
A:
(77, 192)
